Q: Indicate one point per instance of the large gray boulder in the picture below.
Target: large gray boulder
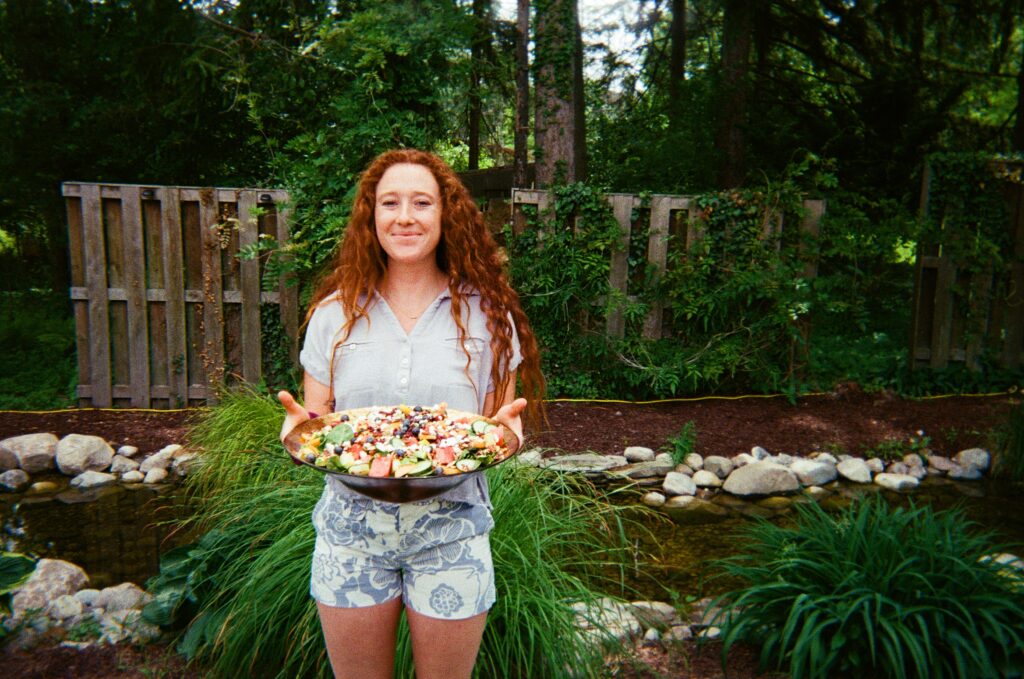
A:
(896, 481)
(90, 479)
(973, 457)
(160, 459)
(761, 478)
(77, 453)
(51, 579)
(31, 452)
(122, 597)
(678, 484)
(583, 462)
(854, 469)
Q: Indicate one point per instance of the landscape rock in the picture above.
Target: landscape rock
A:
(41, 487)
(583, 462)
(134, 476)
(638, 454)
(683, 469)
(718, 465)
(965, 473)
(51, 579)
(973, 457)
(155, 475)
(533, 457)
(642, 470)
(706, 479)
(827, 458)
(897, 468)
(694, 461)
(32, 452)
(128, 451)
(875, 465)
(689, 510)
(678, 633)
(184, 462)
(653, 499)
(122, 597)
(615, 617)
(742, 459)
(656, 614)
(89, 597)
(651, 637)
(854, 469)
(759, 453)
(89, 480)
(121, 464)
(941, 463)
(913, 460)
(761, 478)
(14, 480)
(814, 472)
(77, 453)
(679, 484)
(65, 606)
(896, 481)
(160, 459)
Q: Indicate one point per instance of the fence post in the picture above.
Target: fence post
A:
(618, 276)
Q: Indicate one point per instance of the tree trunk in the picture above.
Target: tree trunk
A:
(736, 42)
(519, 176)
(477, 48)
(1018, 126)
(559, 152)
(677, 59)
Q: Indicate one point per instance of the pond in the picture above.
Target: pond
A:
(118, 534)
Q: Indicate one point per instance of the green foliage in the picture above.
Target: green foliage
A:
(241, 593)
(37, 365)
(875, 592)
(88, 629)
(15, 570)
(893, 449)
(1009, 445)
(683, 443)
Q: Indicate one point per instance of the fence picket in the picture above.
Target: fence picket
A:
(657, 253)
(135, 284)
(618, 277)
(212, 355)
(250, 273)
(96, 285)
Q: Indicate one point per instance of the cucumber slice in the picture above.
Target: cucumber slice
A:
(480, 426)
(343, 432)
(467, 465)
(397, 443)
(360, 469)
(414, 469)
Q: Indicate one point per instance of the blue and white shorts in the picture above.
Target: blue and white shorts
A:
(435, 554)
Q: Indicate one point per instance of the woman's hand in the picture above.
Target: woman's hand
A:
(509, 415)
(294, 413)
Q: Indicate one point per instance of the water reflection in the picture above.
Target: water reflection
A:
(116, 534)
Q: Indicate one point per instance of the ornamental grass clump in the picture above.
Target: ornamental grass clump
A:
(875, 592)
(240, 596)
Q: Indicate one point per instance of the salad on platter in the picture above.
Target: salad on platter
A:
(402, 441)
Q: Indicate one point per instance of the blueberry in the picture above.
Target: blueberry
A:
(344, 418)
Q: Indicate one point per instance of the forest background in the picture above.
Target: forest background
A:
(745, 104)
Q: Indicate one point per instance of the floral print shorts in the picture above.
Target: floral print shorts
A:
(435, 554)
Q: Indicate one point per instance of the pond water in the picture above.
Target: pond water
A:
(117, 534)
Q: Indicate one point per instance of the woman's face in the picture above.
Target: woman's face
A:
(407, 213)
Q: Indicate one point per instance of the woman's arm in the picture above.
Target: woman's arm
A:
(510, 409)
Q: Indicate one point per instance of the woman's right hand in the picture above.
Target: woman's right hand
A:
(294, 414)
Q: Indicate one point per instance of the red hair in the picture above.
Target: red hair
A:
(467, 253)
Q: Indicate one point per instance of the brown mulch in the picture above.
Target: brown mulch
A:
(845, 421)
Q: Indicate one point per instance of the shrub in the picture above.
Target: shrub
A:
(241, 593)
(1009, 445)
(875, 592)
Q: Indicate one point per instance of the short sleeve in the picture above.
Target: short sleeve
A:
(517, 355)
(320, 337)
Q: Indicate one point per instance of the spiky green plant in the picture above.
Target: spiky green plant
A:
(1009, 445)
(875, 591)
(554, 543)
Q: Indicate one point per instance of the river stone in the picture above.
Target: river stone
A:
(160, 459)
(679, 484)
(783, 459)
(759, 453)
(679, 633)
(854, 469)
(32, 452)
(896, 481)
(742, 459)
(653, 499)
(65, 606)
(122, 597)
(973, 457)
(688, 510)
(761, 478)
(919, 472)
(89, 480)
(532, 457)
(88, 596)
(656, 614)
(962, 473)
(776, 502)
(813, 472)
(913, 460)
(41, 487)
(827, 458)
(155, 475)
(77, 453)
(642, 470)
(718, 465)
(128, 451)
(940, 462)
(14, 480)
(875, 465)
(184, 462)
(897, 468)
(134, 476)
(52, 578)
(665, 458)
(683, 469)
(817, 493)
(583, 462)
(694, 461)
(122, 464)
(706, 479)
(638, 454)
(614, 616)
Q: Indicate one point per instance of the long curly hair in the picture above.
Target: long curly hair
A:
(467, 253)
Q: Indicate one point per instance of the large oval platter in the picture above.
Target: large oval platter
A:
(390, 488)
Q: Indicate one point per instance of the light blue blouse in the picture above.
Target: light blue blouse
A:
(379, 364)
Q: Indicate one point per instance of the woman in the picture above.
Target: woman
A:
(415, 310)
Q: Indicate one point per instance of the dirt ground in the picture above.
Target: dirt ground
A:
(847, 420)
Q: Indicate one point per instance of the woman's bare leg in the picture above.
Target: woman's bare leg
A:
(445, 649)
(361, 641)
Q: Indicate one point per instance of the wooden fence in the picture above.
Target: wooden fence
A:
(164, 310)
(671, 219)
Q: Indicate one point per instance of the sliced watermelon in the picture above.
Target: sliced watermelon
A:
(444, 455)
(381, 465)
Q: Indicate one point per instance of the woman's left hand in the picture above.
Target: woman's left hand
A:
(509, 415)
